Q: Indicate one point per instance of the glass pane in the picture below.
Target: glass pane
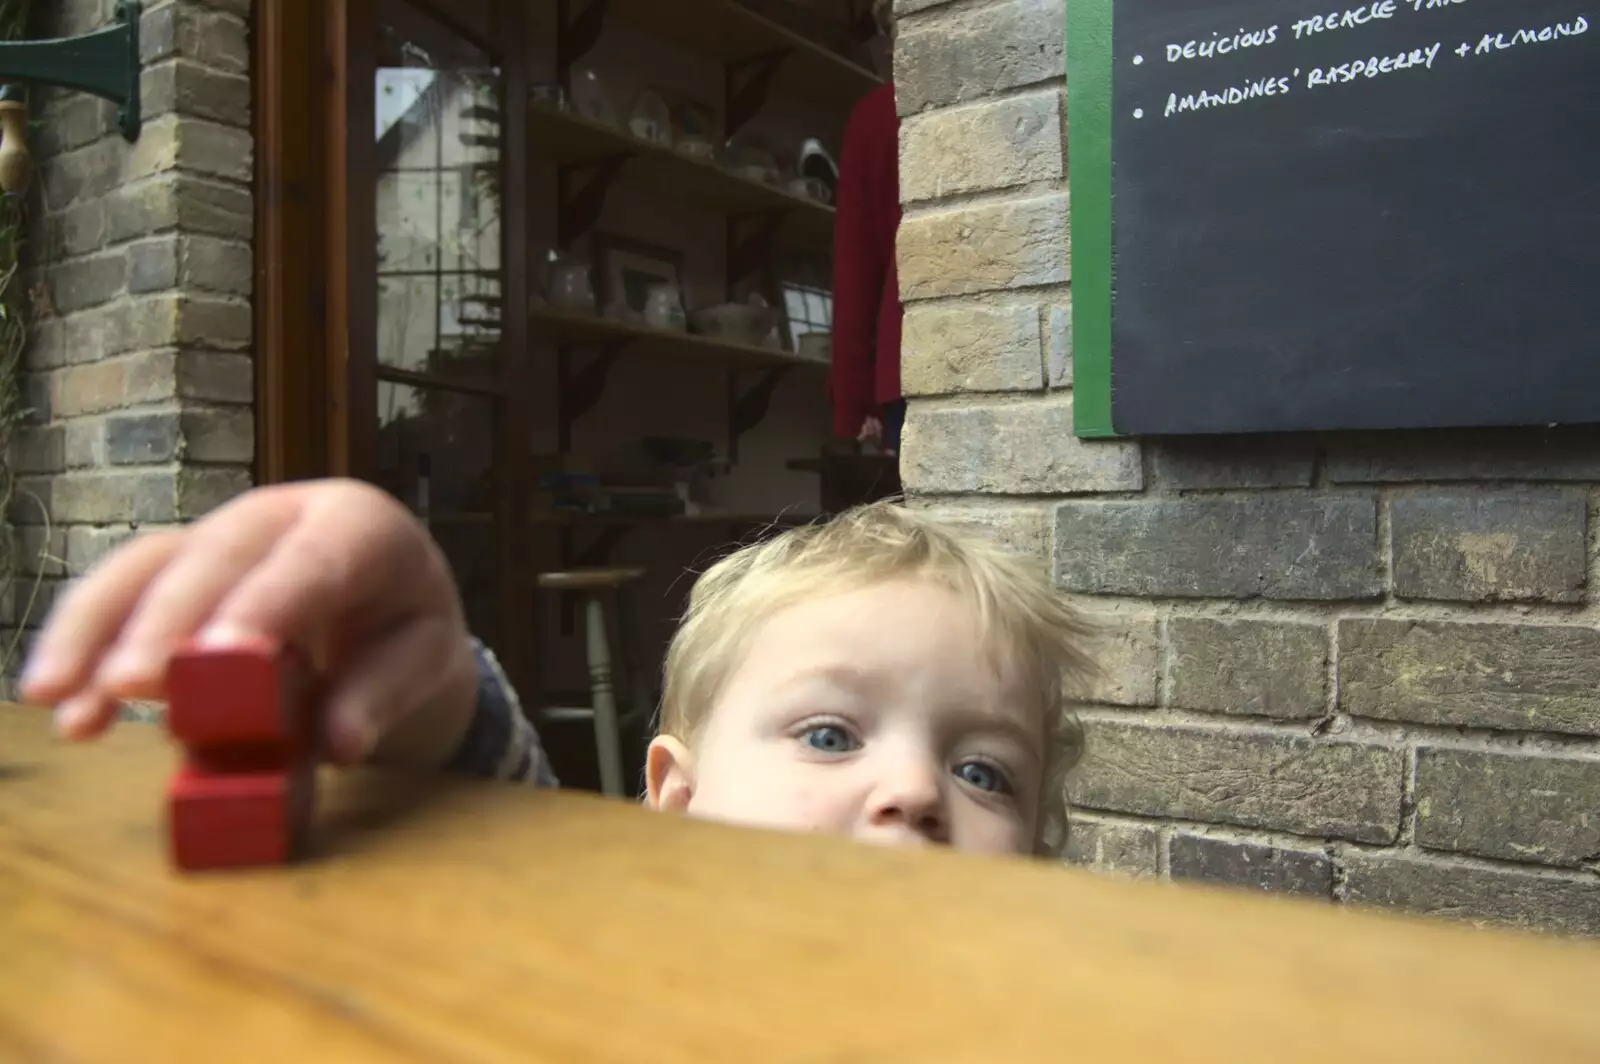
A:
(436, 449)
(439, 139)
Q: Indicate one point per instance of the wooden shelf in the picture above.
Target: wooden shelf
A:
(730, 32)
(568, 139)
(558, 327)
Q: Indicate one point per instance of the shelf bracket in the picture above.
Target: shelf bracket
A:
(748, 83)
(580, 389)
(104, 63)
(576, 35)
(747, 409)
(580, 201)
(749, 251)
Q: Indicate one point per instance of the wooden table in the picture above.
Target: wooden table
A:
(471, 922)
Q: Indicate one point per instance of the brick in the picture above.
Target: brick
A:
(1508, 676)
(1509, 805)
(41, 551)
(89, 388)
(104, 496)
(191, 89)
(85, 282)
(216, 38)
(143, 438)
(1247, 864)
(995, 247)
(169, 200)
(216, 376)
(38, 449)
(971, 348)
(1545, 901)
(85, 442)
(87, 545)
(1292, 547)
(979, 52)
(94, 334)
(215, 149)
(152, 265)
(81, 228)
(1108, 846)
(220, 435)
(999, 448)
(1019, 529)
(994, 144)
(1525, 546)
(33, 500)
(36, 399)
(1211, 462)
(1059, 362)
(185, 319)
(209, 264)
(72, 176)
(1250, 778)
(1247, 667)
(201, 490)
(1127, 649)
(72, 121)
(1558, 454)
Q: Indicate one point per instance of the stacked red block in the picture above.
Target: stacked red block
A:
(247, 720)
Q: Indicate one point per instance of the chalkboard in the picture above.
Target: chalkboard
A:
(1307, 215)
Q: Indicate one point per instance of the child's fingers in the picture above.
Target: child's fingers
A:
(388, 681)
(87, 620)
(356, 554)
(219, 554)
(86, 715)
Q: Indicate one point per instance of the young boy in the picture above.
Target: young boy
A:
(878, 676)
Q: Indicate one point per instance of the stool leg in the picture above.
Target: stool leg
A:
(607, 733)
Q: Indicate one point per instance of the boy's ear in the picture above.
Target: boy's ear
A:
(669, 775)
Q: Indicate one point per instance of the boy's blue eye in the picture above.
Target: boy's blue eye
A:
(984, 776)
(829, 738)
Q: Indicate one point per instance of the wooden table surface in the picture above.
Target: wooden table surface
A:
(472, 922)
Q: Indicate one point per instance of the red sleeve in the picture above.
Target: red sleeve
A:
(859, 273)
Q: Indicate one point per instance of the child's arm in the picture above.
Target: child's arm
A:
(337, 570)
(500, 743)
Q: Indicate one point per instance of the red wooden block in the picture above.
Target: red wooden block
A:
(254, 696)
(237, 819)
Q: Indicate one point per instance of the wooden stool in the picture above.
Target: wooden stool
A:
(597, 589)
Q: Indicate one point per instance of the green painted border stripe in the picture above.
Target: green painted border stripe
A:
(1089, 71)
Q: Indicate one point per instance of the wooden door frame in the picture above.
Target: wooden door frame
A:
(315, 302)
(290, 294)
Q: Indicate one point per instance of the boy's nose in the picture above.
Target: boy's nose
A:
(909, 801)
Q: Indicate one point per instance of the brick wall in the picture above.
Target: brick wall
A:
(1361, 668)
(138, 371)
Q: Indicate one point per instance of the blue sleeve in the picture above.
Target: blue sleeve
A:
(500, 742)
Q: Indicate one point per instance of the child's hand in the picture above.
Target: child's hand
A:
(335, 568)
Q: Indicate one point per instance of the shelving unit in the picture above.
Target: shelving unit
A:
(582, 144)
(759, 58)
(727, 354)
(760, 53)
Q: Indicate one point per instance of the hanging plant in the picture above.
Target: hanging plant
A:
(16, 175)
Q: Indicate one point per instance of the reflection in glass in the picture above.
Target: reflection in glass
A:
(437, 111)
(438, 445)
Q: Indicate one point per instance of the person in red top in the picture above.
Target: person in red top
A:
(865, 382)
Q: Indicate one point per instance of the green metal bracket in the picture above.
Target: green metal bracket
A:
(104, 63)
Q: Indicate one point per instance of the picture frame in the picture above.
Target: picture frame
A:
(625, 269)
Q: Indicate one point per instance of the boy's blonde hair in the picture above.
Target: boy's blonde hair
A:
(1024, 622)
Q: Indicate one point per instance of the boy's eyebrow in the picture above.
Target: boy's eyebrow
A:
(839, 674)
